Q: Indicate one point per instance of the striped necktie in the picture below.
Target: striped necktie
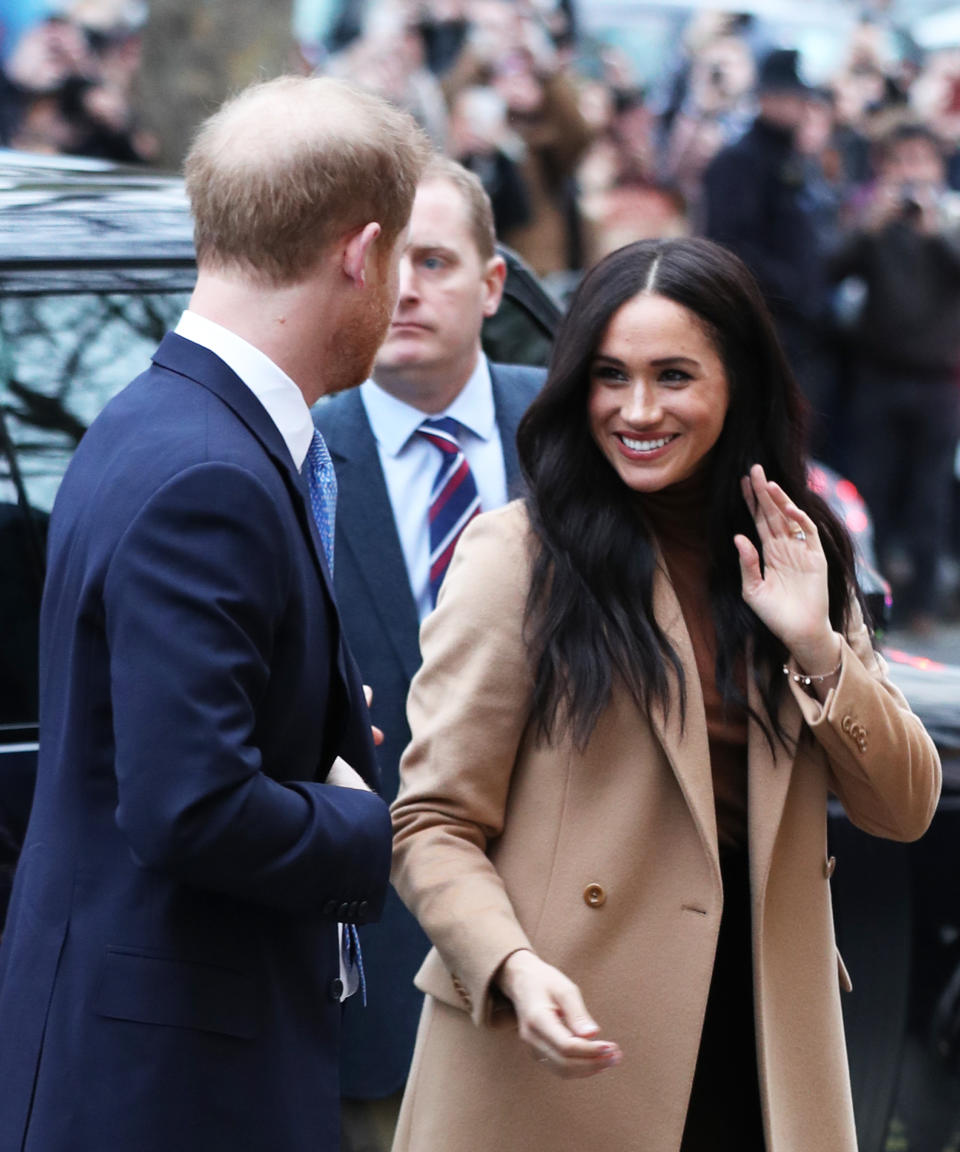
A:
(322, 483)
(453, 499)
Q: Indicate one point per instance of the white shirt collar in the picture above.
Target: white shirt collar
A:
(278, 394)
(394, 421)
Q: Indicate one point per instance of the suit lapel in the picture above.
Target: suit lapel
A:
(207, 369)
(685, 745)
(365, 527)
(509, 405)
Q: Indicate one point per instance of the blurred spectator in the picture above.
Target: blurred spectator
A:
(904, 250)
(621, 197)
(66, 88)
(390, 59)
(715, 107)
(510, 50)
(482, 140)
(758, 201)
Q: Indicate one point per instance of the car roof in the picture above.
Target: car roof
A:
(69, 214)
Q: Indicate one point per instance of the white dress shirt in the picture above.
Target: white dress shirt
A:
(274, 389)
(410, 464)
(286, 407)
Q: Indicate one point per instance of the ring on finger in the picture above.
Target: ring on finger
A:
(798, 533)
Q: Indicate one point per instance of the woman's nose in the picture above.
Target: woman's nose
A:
(642, 405)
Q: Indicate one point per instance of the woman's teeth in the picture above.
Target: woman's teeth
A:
(645, 445)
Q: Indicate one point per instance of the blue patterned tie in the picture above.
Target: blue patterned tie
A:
(322, 482)
(454, 500)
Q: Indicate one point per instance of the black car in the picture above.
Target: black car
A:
(96, 264)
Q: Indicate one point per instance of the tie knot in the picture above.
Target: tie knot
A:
(442, 431)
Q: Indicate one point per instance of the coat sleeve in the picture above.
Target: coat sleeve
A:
(884, 767)
(468, 709)
(193, 599)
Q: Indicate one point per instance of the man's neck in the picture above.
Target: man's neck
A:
(273, 319)
(429, 390)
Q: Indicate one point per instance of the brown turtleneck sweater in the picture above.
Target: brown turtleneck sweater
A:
(677, 515)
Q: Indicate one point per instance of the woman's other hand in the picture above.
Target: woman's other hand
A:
(790, 593)
(553, 1019)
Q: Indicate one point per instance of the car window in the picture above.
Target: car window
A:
(514, 336)
(62, 357)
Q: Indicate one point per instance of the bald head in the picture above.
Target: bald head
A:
(287, 167)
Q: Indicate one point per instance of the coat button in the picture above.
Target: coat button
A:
(829, 866)
(343, 912)
(336, 989)
(330, 907)
(362, 911)
(594, 895)
(352, 910)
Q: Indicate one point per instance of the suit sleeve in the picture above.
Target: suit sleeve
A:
(193, 599)
(884, 767)
(468, 709)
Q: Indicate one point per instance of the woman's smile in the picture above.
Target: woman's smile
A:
(658, 393)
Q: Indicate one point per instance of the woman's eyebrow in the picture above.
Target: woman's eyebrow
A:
(675, 360)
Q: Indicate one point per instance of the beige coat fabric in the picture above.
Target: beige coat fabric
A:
(605, 862)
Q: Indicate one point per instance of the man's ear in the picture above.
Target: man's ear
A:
(494, 278)
(357, 253)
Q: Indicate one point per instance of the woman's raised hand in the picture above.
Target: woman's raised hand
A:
(553, 1019)
(790, 593)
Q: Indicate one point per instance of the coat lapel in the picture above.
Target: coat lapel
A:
(768, 781)
(685, 743)
(365, 527)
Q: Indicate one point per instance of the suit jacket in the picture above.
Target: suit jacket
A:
(380, 619)
(168, 976)
(604, 860)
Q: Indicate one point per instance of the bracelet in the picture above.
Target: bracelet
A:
(806, 681)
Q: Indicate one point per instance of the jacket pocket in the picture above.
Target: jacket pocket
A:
(156, 989)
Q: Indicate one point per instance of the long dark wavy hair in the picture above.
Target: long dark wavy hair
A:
(589, 617)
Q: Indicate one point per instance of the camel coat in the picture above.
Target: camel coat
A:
(605, 863)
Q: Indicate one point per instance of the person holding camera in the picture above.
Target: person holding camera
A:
(904, 251)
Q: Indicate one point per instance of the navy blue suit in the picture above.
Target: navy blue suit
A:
(380, 619)
(169, 966)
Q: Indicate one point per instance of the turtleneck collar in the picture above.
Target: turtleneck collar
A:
(677, 514)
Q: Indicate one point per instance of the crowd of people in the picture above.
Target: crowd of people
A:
(842, 197)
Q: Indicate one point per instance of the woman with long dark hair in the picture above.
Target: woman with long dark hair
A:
(637, 689)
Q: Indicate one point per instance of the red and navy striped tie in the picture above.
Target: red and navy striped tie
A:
(453, 500)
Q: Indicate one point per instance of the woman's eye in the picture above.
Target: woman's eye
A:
(674, 376)
(608, 372)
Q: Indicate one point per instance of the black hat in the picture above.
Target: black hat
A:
(779, 72)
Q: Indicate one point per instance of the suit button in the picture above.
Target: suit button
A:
(336, 989)
(330, 907)
(362, 911)
(352, 910)
(829, 866)
(343, 912)
(594, 895)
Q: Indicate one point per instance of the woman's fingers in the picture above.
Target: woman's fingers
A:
(553, 1019)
